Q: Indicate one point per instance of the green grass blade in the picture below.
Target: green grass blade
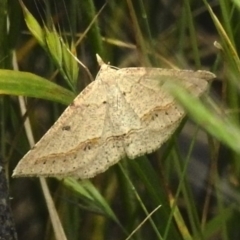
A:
(220, 127)
(31, 85)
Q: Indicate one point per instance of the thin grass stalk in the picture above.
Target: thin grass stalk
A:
(141, 203)
(193, 34)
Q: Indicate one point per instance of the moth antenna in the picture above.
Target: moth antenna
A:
(99, 60)
(102, 63)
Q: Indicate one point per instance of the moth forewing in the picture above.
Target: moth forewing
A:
(124, 112)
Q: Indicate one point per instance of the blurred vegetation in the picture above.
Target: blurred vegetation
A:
(194, 177)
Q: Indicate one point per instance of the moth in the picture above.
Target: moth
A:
(124, 112)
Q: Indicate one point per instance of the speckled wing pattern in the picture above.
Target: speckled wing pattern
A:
(124, 112)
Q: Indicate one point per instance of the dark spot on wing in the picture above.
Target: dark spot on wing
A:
(87, 147)
(154, 116)
(66, 128)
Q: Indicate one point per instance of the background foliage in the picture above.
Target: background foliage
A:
(194, 177)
